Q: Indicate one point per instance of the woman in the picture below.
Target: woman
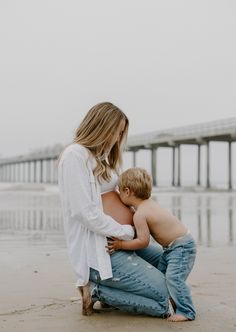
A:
(87, 171)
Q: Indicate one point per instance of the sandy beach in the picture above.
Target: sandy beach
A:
(38, 294)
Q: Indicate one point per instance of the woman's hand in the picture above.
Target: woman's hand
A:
(113, 244)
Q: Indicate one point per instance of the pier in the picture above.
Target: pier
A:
(41, 166)
(196, 135)
(35, 167)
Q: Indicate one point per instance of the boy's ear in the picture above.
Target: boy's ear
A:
(127, 191)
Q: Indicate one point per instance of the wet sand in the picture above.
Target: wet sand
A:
(38, 294)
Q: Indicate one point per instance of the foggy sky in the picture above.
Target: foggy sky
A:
(164, 63)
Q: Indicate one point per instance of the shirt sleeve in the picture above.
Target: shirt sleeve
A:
(77, 194)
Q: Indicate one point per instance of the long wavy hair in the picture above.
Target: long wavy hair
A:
(96, 132)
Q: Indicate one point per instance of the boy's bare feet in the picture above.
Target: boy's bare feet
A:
(87, 303)
(177, 318)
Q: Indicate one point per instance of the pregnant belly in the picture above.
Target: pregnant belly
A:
(113, 206)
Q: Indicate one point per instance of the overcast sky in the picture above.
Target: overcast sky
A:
(165, 63)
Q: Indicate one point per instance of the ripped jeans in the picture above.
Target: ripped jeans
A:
(137, 286)
(176, 263)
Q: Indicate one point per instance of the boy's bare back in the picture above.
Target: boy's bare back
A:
(163, 226)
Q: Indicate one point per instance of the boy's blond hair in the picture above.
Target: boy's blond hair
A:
(138, 181)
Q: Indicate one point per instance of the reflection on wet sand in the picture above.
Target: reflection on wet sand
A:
(32, 216)
(231, 214)
(209, 216)
(31, 219)
(199, 219)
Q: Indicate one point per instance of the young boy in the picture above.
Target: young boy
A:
(135, 186)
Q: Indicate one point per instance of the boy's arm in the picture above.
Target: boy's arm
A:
(141, 241)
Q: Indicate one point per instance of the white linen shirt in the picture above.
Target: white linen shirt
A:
(86, 226)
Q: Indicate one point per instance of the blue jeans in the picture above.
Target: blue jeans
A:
(176, 263)
(137, 286)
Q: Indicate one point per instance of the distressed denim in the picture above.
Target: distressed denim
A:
(136, 286)
(176, 263)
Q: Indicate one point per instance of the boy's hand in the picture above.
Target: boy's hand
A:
(114, 244)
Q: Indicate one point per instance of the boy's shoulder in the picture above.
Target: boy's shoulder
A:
(139, 214)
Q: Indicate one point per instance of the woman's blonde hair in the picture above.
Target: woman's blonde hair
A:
(138, 181)
(95, 133)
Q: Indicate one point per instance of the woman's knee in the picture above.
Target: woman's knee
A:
(152, 254)
(137, 275)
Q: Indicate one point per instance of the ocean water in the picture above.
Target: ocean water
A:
(35, 217)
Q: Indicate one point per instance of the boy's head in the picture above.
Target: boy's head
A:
(138, 181)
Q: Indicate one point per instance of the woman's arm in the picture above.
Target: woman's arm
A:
(141, 241)
(76, 192)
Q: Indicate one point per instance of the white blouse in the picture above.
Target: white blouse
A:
(86, 226)
(106, 187)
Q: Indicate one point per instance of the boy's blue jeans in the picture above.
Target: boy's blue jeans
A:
(176, 263)
(137, 286)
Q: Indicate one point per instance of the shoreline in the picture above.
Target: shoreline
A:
(18, 186)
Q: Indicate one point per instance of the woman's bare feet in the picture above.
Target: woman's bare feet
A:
(177, 318)
(87, 303)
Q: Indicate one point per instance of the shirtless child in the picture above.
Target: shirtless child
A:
(135, 186)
